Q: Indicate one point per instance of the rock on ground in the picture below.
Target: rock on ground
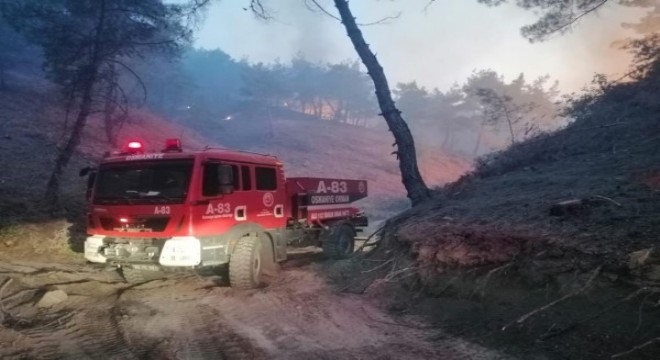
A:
(52, 298)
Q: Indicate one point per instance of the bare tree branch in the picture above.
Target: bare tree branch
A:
(197, 5)
(321, 8)
(328, 13)
(428, 4)
(123, 96)
(577, 18)
(557, 15)
(135, 75)
(258, 10)
(123, 106)
(636, 348)
(382, 21)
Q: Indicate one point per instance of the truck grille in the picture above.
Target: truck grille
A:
(145, 223)
(135, 251)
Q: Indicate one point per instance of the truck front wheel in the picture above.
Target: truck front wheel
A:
(338, 242)
(246, 264)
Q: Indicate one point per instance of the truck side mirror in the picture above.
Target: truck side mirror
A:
(84, 171)
(90, 184)
(226, 179)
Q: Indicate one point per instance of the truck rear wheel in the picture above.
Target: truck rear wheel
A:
(246, 264)
(338, 242)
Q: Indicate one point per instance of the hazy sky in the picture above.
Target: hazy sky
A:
(436, 47)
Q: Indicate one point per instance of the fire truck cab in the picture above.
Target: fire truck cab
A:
(176, 209)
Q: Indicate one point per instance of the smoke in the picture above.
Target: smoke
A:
(292, 29)
(436, 47)
(316, 33)
(595, 46)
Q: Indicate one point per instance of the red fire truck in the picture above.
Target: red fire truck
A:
(176, 209)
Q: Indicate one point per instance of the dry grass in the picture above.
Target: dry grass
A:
(38, 240)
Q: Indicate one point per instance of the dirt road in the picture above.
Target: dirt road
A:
(189, 317)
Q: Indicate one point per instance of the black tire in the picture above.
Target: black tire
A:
(246, 264)
(338, 242)
(136, 276)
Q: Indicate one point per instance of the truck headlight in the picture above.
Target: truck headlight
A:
(93, 246)
(181, 251)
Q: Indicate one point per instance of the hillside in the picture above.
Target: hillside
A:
(546, 250)
(32, 127)
(32, 122)
(309, 146)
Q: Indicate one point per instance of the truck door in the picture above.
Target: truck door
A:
(218, 208)
(271, 197)
(269, 204)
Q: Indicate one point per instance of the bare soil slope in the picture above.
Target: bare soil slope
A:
(31, 126)
(309, 146)
(548, 249)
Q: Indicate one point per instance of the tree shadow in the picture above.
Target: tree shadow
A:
(77, 231)
(301, 257)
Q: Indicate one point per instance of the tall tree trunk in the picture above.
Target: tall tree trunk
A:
(109, 107)
(510, 123)
(271, 131)
(449, 144)
(410, 175)
(452, 142)
(90, 77)
(63, 158)
(335, 115)
(478, 144)
(3, 76)
(346, 111)
(317, 107)
(445, 140)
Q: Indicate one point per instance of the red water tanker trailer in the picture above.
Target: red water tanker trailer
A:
(176, 209)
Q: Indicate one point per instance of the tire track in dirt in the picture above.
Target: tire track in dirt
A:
(182, 329)
(300, 317)
(297, 316)
(79, 335)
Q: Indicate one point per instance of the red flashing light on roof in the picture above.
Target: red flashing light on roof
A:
(134, 147)
(173, 145)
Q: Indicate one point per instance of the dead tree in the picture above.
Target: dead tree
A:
(406, 154)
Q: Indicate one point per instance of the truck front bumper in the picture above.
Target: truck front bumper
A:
(183, 251)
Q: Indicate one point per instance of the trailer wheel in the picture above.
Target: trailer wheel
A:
(338, 242)
(246, 264)
(136, 276)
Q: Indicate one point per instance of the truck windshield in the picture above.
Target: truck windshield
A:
(143, 182)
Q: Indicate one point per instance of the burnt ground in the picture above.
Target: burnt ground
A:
(547, 250)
